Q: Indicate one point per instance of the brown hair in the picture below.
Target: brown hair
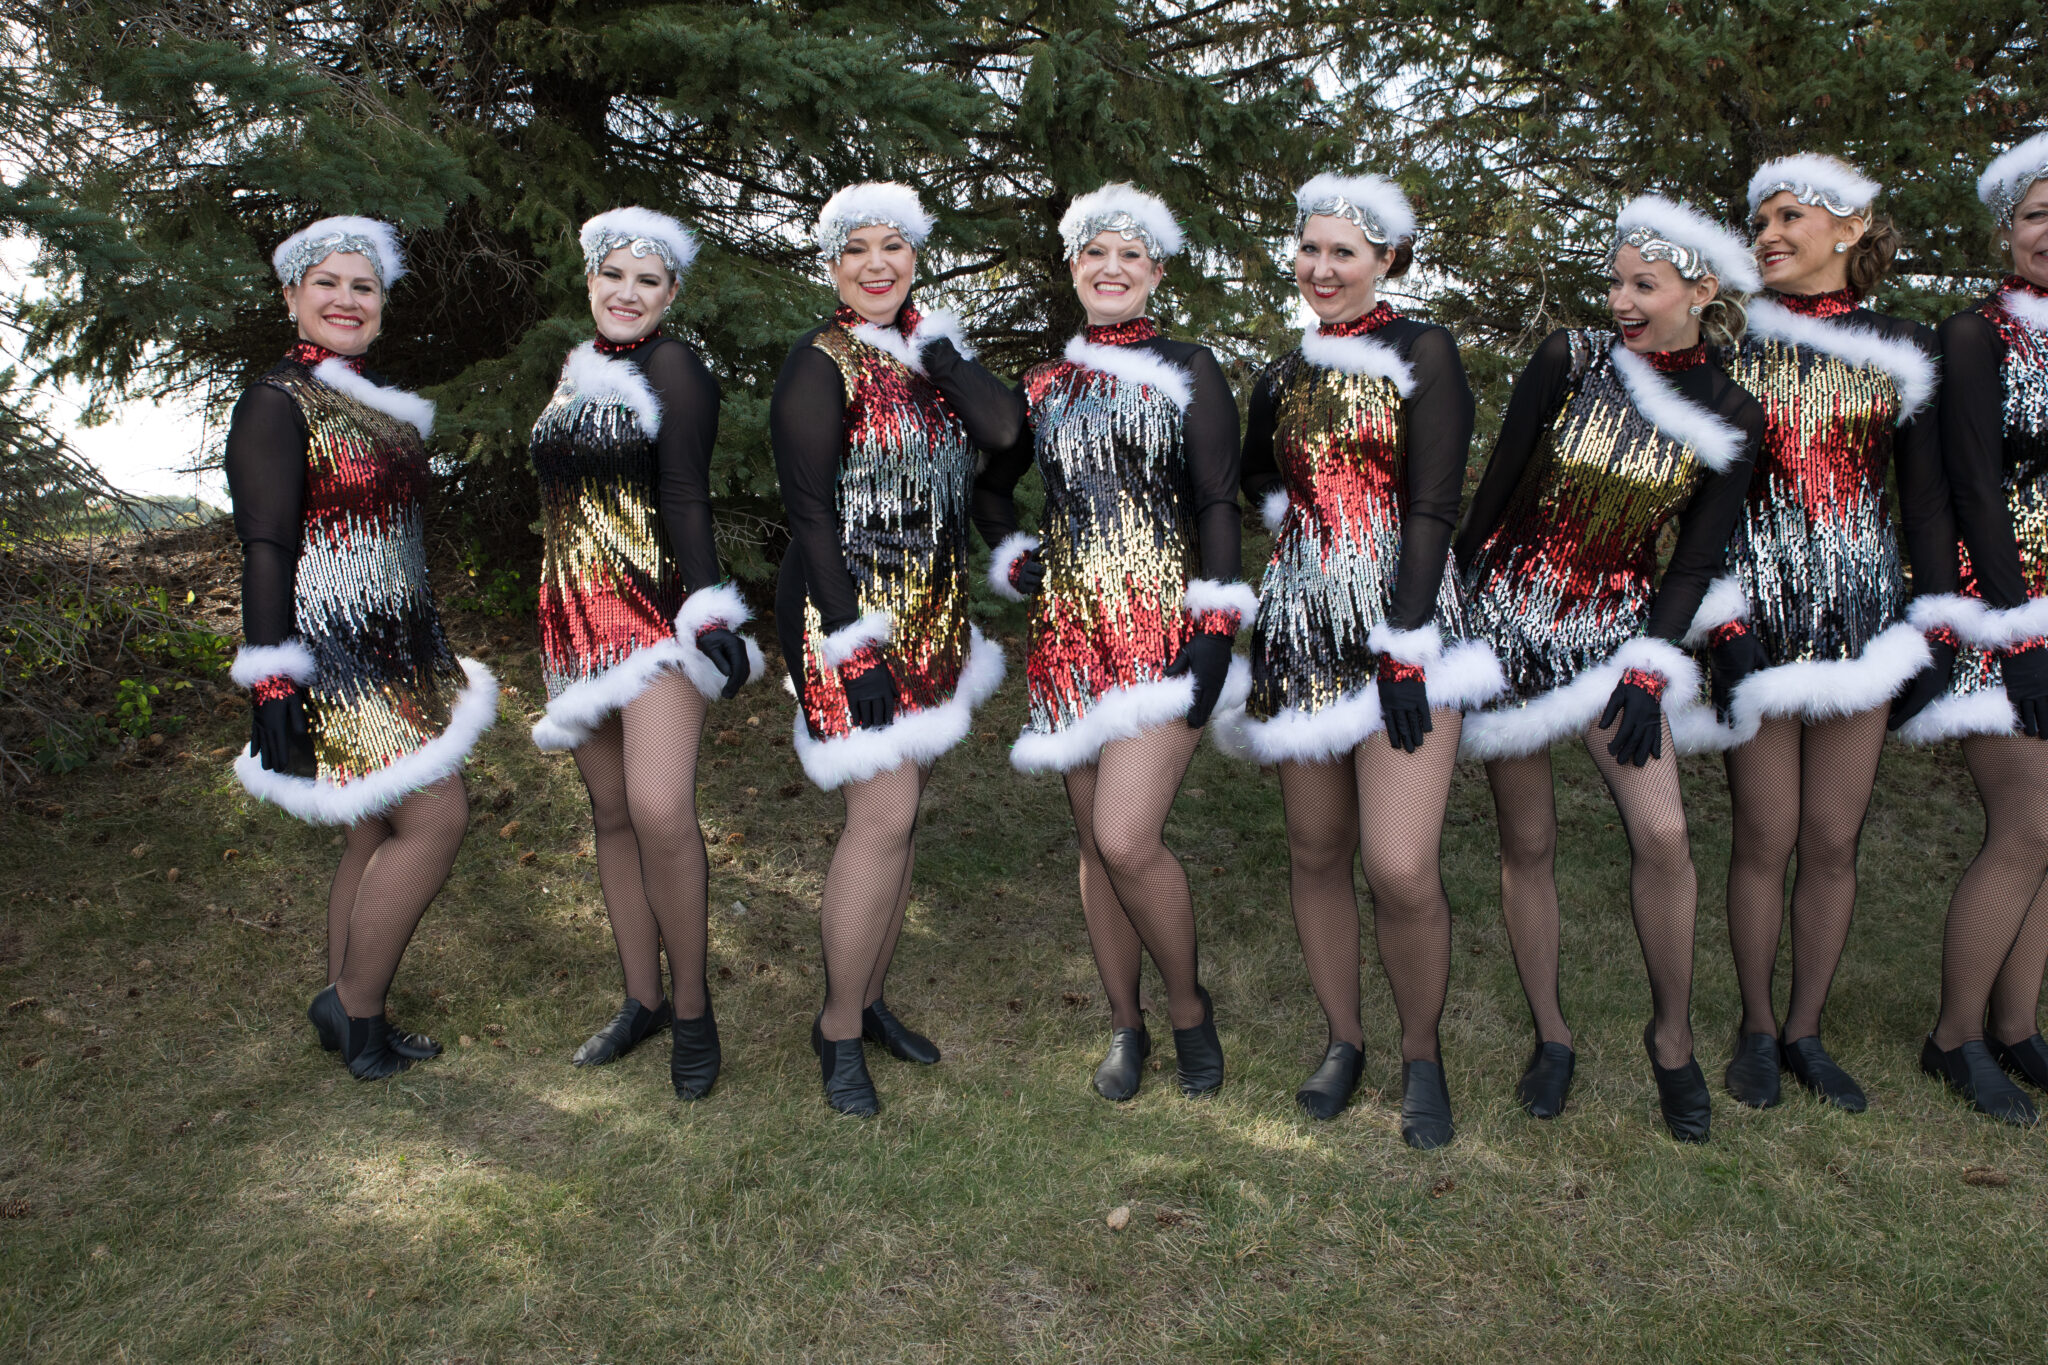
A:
(1723, 320)
(1870, 259)
(1401, 257)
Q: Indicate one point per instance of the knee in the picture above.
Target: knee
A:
(1760, 842)
(1125, 848)
(1660, 843)
(1829, 850)
(1321, 860)
(1407, 883)
(1528, 849)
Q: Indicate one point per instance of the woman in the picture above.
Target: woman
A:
(1812, 655)
(1994, 436)
(363, 715)
(636, 628)
(1356, 446)
(1134, 608)
(875, 418)
(1606, 440)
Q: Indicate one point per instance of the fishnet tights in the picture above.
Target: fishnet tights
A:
(640, 768)
(392, 866)
(1996, 940)
(1134, 892)
(1663, 890)
(1391, 804)
(1801, 788)
(867, 890)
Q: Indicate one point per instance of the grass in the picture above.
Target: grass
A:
(184, 1175)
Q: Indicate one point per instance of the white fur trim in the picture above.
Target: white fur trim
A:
(1358, 355)
(1131, 365)
(909, 351)
(254, 663)
(1419, 648)
(383, 238)
(1124, 712)
(1991, 627)
(1715, 443)
(1727, 256)
(2012, 174)
(1911, 369)
(1986, 711)
(393, 402)
(679, 241)
(919, 737)
(1148, 210)
(717, 605)
(590, 377)
(573, 716)
(2028, 308)
(875, 628)
(1951, 609)
(1842, 182)
(1381, 199)
(877, 201)
(321, 802)
(1273, 511)
(1828, 689)
(1003, 558)
(1206, 594)
(1465, 676)
(1725, 601)
(1566, 711)
(941, 323)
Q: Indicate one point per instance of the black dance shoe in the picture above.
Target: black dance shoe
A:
(632, 1025)
(1118, 1076)
(1681, 1093)
(843, 1063)
(365, 1044)
(417, 1046)
(1972, 1072)
(694, 1056)
(326, 1007)
(877, 1025)
(1811, 1066)
(1328, 1089)
(2026, 1060)
(1752, 1074)
(1425, 1106)
(1198, 1053)
(1547, 1080)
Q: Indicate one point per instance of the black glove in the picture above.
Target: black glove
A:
(1640, 736)
(279, 736)
(729, 653)
(1924, 686)
(2026, 686)
(1207, 656)
(1729, 662)
(871, 697)
(1027, 573)
(1404, 703)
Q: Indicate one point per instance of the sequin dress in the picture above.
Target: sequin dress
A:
(629, 571)
(326, 468)
(1356, 448)
(1599, 450)
(875, 432)
(1135, 438)
(1816, 575)
(1994, 433)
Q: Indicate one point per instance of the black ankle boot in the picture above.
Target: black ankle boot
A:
(877, 1025)
(1198, 1053)
(1329, 1087)
(1425, 1106)
(694, 1056)
(1752, 1074)
(1811, 1066)
(1547, 1080)
(631, 1026)
(365, 1044)
(1972, 1072)
(843, 1063)
(322, 1012)
(1681, 1093)
(2027, 1059)
(1121, 1070)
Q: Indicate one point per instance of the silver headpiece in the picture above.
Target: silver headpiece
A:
(375, 241)
(1689, 263)
(880, 203)
(1375, 205)
(1824, 182)
(2006, 181)
(643, 233)
(1130, 213)
(1695, 245)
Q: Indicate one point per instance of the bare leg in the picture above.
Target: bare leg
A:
(1321, 801)
(1997, 893)
(601, 761)
(1839, 767)
(1135, 783)
(1401, 800)
(404, 875)
(1111, 935)
(1525, 806)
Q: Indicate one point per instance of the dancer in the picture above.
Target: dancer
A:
(875, 418)
(1135, 605)
(1994, 434)
(1361, 661)
(363, 715)
(636, 628)
(1810, 647)
(1604, 441)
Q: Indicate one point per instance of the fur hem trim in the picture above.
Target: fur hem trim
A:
(391, 401)
(1910, 368)
(1130, 365)
(573, 716)
(320, 802)
(916, 738)
(1358, 355)
(1983, 712)
(1726, 601)
(254, 663)
(1273, 510)
(1989, 627)
(589, 377)
(2028, 309)
(1124, 712)
(1003, 558)
(1939, 609)
(875, 628)
(1421, 647)
(1466, 676)
(1206, 594)
(1566, 711)
(1828, 689)
(1715, 443)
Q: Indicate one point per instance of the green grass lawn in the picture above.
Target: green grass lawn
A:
(184, 1175)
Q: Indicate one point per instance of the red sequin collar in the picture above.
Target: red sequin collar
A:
(907, 317)
(1832, 304)
(2020, 284)
(1670, 362)
(1123, 333)
(1380, 316)
(311, 353)
(606, 346)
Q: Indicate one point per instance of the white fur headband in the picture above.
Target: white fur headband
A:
(878, 203)
(2006, 181)
(642, 232)
(1665, 230)
(367, 237)
(1125, 210)
(1824, 181)
(1375, 204)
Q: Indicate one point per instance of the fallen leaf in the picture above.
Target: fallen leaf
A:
(1119, 1218)
(1215, 871)
(1168, 1218)
(92, 1051)
(739, 907)
(736, 839)
(230, 855)
(145, 965)
(508, 829)
(494, 1028)
(753, 720)
(1075, 998)
(1015, 1006)
(1986, 1175)
(1443, 1187)
(31, 1062)
(528, 856)
(499, 1042)
(728, 736)
(789, 791)
(225, 751)
(725, 973)
(138, 851)
(27, 1002)
(172, 875)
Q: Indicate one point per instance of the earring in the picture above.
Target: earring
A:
(2004, 245)
(295, 318)
(1696, 310)
(1841, 247)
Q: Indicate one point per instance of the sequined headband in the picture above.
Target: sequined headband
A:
(2004, 198)
(1117, 221)
(1337, 206)
(1689, 263)
(611, 239)
(307, 254)
(832, 235)
(1814, 196)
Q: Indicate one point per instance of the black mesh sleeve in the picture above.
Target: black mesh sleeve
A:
(689, 428)
(994, 506)
(1439, 424)
(266, 467)
(1927, 521)
(1708, 520)
(1210, 431)
(1538, 391)
(1261, 466)
(991, 410)
(1972, 423)
(807, 426)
